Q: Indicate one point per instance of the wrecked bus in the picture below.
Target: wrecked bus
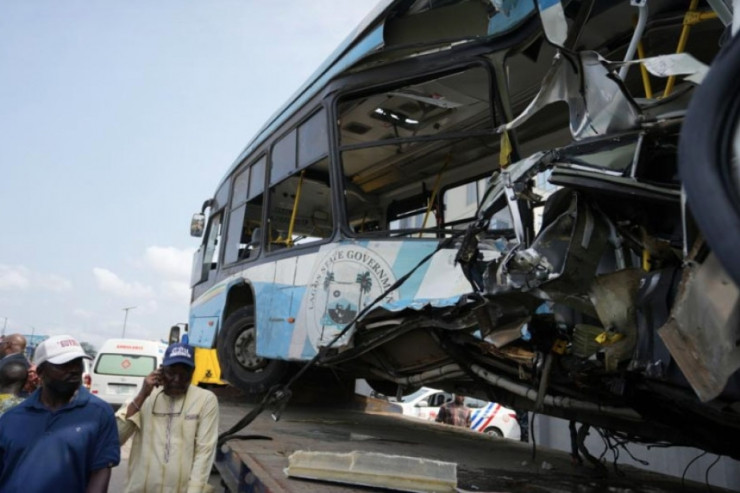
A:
(486, 197)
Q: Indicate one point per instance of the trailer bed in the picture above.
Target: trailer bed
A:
(483, 463)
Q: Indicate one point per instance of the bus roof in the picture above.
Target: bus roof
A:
(369, 37)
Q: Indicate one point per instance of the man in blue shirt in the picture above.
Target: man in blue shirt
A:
(61, 438)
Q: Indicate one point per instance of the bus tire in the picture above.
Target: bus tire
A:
(705, 155)
(237, 355)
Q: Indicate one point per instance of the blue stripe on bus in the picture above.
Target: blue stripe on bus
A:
(308, 350)
(409, 255)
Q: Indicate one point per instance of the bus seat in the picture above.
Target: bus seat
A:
(256, 237)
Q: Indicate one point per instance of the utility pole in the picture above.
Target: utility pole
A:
(5, 325)
(125, 317)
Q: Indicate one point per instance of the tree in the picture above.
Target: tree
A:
(366, 284)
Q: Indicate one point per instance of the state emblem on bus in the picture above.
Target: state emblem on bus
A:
(344, 281)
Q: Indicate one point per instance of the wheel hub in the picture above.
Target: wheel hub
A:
(245, 351)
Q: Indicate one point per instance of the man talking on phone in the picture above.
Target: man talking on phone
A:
(175, 428)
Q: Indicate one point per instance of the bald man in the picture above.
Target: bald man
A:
(12, 378)
(13, 348)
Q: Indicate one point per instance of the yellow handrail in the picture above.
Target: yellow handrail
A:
(689, 19)
(644, 72)
(289, 239)
(434, 192)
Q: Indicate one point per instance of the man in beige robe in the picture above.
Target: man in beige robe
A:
(175, 429)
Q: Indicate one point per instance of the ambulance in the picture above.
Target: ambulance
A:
(120, 367)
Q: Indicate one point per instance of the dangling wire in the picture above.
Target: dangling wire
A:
(706, 473)
(686, 469)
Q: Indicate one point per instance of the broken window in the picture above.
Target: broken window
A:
(402, 147)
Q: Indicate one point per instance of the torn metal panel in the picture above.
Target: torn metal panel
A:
(419, 304)
(704, 329)
(554, 24)
(597, 101)
(561, 262)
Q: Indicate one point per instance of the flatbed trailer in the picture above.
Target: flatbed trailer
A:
(484, 464)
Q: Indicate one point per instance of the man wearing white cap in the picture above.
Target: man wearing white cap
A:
(61, 438)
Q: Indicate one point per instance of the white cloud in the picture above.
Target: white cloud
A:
(53, 282)
(150, 306)
(109, 282)
(82, 313)
(14, 277)
(170, 262)
(19, 277)
(176, 290)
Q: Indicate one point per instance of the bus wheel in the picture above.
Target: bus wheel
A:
(237, 354)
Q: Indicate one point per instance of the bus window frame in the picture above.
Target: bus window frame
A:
(207, 269)
(248, 166)
(299, 167)
(495, 108)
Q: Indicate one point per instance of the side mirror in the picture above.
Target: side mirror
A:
(197, 224)
(422, 404)
(174, 334)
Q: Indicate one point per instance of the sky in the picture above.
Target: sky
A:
(117, 120)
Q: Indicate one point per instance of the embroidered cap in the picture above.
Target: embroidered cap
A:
(58, 350)
(179, 353)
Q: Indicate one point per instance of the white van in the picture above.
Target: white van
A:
(121, 365)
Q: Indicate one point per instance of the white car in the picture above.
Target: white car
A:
(488, 417)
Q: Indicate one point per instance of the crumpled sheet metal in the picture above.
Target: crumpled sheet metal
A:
(566, 252)
(419, 304)
(553, 20)
(597, 101)
(704, 328)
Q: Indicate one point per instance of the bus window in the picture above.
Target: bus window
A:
(461, 202)
(213, 241)
(283, 159)
(205, 259)
(401, 147)
(300, 203)
(313, 141)
(300, 208)
(245, 220)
